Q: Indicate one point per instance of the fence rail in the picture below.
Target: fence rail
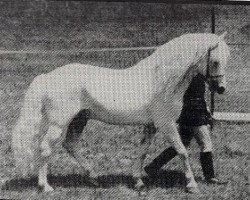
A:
(230, 116)
(75, 51)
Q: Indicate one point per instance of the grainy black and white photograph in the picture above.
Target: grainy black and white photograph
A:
(124, 100)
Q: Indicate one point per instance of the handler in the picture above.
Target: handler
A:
(193, 123)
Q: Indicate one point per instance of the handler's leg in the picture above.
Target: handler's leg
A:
(169, 153)
(72, 142)
(202, 135)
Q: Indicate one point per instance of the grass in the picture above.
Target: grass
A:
(31, 25)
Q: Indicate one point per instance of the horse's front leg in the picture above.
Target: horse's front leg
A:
(146, 136)
(175, 140)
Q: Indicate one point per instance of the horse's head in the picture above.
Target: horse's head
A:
(217, 60)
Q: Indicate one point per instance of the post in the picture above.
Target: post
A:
(212, 92)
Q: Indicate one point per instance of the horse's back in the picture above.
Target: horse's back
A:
(69, 72)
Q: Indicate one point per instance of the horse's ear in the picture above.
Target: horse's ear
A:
(222, 36)
(214, 46)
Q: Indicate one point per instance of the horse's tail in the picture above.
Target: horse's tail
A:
(25, 136)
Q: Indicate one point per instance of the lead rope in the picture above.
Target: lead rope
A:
(212, 92)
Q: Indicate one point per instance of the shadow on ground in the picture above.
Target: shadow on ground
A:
(165, 179)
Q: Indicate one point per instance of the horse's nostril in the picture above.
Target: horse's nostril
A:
(221, 90)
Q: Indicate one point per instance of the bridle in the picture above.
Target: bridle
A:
(213, 80)
(208, 74)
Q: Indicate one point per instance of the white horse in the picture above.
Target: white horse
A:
(149, 93)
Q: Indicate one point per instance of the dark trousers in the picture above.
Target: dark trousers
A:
(168, 154)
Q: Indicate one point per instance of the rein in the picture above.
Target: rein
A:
(207, 70)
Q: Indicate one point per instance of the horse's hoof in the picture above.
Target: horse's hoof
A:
(139, 185)
(192, 190)
(3, 183)
(45, 188)
(49, 189)
(143, 193)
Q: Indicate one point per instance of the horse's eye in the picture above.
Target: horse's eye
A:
(215, 64)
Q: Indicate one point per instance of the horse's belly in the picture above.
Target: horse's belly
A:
(122, 117)
(121, 102)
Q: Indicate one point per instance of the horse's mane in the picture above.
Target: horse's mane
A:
(186, 49)
(173, 59)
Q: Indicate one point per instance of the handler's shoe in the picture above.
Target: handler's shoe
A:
(216, 181)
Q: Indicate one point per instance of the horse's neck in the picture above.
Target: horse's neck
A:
(141, 69)
(181, 84)
(178, 85)
(185, 81)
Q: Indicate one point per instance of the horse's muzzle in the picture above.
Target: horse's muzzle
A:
(220, 89)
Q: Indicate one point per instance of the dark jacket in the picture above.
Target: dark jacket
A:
(194, 111)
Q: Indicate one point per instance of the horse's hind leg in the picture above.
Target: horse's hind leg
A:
(147, 134)
(72, 142)
(42, 178)
(54, 132)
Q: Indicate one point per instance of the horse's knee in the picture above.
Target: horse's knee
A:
(46, 150)
(53, 134)
(45, 146)
(182, 153)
